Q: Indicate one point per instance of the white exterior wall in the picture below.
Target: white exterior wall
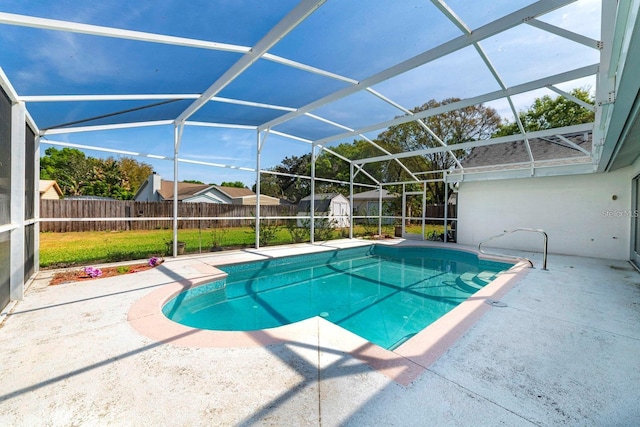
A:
(207, 197)
(147, 193)
(577, 212)
(50, 194)
(338, 213)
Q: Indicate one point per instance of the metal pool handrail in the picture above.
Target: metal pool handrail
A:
(534, 230)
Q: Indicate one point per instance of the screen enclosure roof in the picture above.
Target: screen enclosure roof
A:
(314, 72)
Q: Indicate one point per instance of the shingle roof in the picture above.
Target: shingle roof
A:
(374, 194)
(322, 196)
(542, 149)
(185, 189)
(322, 202)
(235, 192)
(46, 184)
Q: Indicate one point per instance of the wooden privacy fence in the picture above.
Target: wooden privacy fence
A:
(437, 211)
(96, 209)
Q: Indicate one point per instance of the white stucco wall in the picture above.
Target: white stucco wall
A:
(577, 212)
(148, 190)
(207, 197)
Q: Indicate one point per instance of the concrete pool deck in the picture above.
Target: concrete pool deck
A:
(564, 350)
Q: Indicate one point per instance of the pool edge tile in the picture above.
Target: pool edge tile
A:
(433, 341)
(402, 365)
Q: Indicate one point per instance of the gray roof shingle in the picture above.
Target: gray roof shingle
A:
(543, 149)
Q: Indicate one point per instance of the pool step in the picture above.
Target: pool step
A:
(476, 281)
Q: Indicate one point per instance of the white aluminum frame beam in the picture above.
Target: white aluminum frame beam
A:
(491, 96)
(171, 158)
(297, 15)
(139, 154)
(482, 143)
(575, 99)
(619, 33)
(177, 135)
(18, 200)
(8, 87)
(492, 69)
(98, 30)
(78, 129)
(104, 150)
(308, 68)
(524, 172)
(569, 35)
(120, 97)
(220, 125)
(420, 122)
(308, 141)
(111, 32)
(569, 143)
(500, 25)
(364, 137)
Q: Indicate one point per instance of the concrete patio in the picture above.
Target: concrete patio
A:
(564, 350)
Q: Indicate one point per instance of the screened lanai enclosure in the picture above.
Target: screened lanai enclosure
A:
(224, 91)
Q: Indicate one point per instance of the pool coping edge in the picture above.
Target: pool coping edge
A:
(403, 364)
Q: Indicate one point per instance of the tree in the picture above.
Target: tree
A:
(549, 113)
(78, 175)
(69, 167)
(193, 181)
(236, 184)
(136, 172)
(466, 124)
(108, 180)
(453, 127)
(330, 166)
(287, 187)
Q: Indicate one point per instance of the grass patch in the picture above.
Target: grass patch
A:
(91, 247)
(81, 248)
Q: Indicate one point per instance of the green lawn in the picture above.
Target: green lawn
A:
(83, 248)
(106, 246)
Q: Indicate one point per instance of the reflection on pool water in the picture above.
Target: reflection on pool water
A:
(383, 294)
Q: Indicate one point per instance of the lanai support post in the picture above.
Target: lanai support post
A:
(380, 210)
(177, 138)
(424, 207)
(312, 205)
(446, 206)
(18, 200)
(351, 200)
(259, 144)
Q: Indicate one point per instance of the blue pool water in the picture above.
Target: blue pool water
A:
(381, 293)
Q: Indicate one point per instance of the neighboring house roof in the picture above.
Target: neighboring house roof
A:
(46, 185)
(374, 195)
(551, 149)
(156, 188)
(322, 196)
(185, 189)
(235, 192)
(264, 200)
(322, 202)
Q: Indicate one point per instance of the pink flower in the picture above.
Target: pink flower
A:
(92, 271)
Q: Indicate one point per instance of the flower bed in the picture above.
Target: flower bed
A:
(90, 273)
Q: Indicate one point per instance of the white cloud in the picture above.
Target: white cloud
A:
(75, 58)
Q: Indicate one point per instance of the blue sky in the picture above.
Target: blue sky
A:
(355, 39)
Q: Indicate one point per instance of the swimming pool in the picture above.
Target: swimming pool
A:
(383, 294)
